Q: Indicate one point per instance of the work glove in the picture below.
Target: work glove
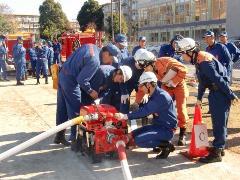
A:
(235, 100)
(97, 101)
(198, 103)
(145, 99)
(170, 84)
(120, 116)
(124, 98)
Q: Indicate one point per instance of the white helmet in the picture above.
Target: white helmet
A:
(127, 72)
(144, 57)
(184, 45)
(147, 77)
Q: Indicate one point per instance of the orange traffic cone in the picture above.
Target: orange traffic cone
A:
(193, 151)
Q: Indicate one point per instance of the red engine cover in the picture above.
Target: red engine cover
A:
(106, 124)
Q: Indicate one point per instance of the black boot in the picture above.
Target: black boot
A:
(38, 82)
(6, 79)
(75, 145)
(19, 83)
(166, 148)
(60, 138)
(156, 150)
(222, 151)
(34, 74)
(182, 137)
(25, 77)
(214, 156)
(46, 79)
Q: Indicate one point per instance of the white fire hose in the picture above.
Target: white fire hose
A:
(120, 145)
(78, 120)
(46, 134)
(123, 160)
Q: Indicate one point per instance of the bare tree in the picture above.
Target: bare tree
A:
(8, 23)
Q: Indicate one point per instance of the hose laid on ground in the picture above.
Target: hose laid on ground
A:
(45, 135)
(123, 160)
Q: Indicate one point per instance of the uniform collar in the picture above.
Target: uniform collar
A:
(212, 45)
(155, 92)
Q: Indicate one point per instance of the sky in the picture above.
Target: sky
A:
(70, 7)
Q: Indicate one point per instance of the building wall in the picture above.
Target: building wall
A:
(75, 25)
(129, 11)
(233, 19)
(159, 20)
(107, 11)
(28, 23)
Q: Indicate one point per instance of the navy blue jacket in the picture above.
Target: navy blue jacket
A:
(99, 83)
(135, 49)
(57, 48)
(42, 52)
(161, 105)
(234, 51)
(50, 54)
(82, 65)
(19, 53)
(220, 52)
(32, 54)
(124, 54)
(131, 84)
(103, 78)
(167, 50)
(213, 73)
(3, 52)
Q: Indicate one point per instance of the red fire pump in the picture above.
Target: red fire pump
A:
(97, 138)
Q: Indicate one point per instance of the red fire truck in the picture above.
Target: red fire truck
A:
(70, 41)
(11, 40)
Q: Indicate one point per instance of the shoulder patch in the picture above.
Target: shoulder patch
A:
(204, 56)
(91, 50)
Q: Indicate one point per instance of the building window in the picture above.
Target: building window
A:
(219, 9)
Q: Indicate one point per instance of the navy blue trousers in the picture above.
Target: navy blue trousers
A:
(68, 101)
(20, 70)
(3, 68)
(151, 136)
(42, 64)
(219, 107)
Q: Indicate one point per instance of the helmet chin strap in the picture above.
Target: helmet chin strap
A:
(193, 57)
(147, 88)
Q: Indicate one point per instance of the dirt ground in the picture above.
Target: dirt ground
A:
(29, 110)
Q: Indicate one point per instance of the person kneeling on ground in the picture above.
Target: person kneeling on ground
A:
(160, 105)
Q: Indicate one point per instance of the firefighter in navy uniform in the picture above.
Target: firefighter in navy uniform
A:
(121, 43)
(212, 75)
(160, 105)
(233, 50)
(171, 73)
(168, 50)
(19, 53)
(141, 44)
(218, 50)
(74, 77)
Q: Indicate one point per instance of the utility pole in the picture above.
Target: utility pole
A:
(120, 18)
(112, 20)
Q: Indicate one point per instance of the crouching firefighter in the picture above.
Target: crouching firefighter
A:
(106, 82)
(74, 77)
(171, 73)
(212, 75)
(160, 105)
